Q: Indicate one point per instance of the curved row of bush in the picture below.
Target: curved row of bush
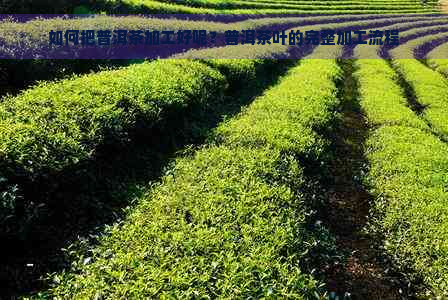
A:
(436, 60)
(230, 220)
(151, 6)
(33, 34)
(408, 177)
(297, 6)
(34, 40)
(428, 85)
(276, 50)
(409, 28)
(292, 4)
(320, 2)
(413, 39)
(13, 79)
(207, 7)
(147, 6)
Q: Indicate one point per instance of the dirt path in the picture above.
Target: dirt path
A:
(363, 273)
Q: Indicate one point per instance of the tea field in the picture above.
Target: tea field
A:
(231, 171)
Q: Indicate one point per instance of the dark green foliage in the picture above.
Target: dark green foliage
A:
(408, 176)
(409, 172)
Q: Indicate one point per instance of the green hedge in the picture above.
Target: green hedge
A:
(287, 119)
(57, 126)
(68, 127)
(408, 177)
(13, 79)
(150, 6)
(430, 89)
(293, 6)
(437, 59)
(408, 169)
(200, 7)
(68, 119)
(228, 221)
(385, 106)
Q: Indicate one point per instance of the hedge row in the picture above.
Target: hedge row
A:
(13, 79)
(149, 6)
(298, 6)
(385, 106)
(428, 85)
(228, 221)
(408, 177)
(50, 69)
(408, 168)
(436, 59)
(279, 50)
(295, 4)
(320, 2)
(207, 7)
(34, 33)
(56, 126)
